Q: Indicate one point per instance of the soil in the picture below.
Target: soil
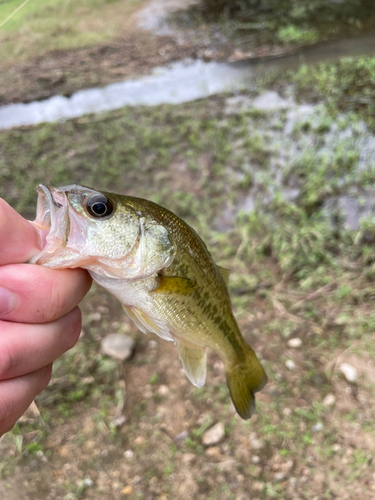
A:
(64, 72)
(135, 429)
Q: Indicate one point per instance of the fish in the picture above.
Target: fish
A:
(159, 269)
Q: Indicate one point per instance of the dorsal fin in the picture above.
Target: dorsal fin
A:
(194, 361)
(225, 273)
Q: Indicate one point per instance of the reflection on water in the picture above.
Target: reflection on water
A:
(181, 82)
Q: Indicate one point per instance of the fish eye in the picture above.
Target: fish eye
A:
(99, 206)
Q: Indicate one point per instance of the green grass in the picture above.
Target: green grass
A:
(202, 163)
(249, 24)
(59, 24)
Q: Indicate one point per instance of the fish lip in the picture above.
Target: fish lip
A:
(45, 216)
(52, 219)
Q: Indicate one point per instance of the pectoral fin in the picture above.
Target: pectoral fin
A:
(194, 361)
(224, 273)
(145, 323)
(175, 284)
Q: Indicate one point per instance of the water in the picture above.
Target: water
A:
(179, 83)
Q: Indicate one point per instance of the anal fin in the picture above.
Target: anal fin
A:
(194, 361)
(145, 323)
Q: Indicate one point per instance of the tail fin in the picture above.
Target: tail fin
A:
(244, 379)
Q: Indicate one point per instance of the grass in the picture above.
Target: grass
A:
(281, 23)
(296, 271)
(60, 24)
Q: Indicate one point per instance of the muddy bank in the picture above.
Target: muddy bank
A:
(177, 83)
(66, 71)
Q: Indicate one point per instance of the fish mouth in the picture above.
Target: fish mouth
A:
(52, 221)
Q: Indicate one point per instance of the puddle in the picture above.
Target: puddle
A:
(181, 82)
(295, 135)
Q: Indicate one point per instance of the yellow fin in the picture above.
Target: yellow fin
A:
(175, 284)
(145, 323)
(194, 361)
(225, 273)
(244, 380)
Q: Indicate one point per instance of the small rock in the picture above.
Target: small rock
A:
(127, 490)
(258, 486)
(118, 346)
(139, 440)
(153, 344)
(163, 390)
(96, 316)
(294, 343)
(187, 458)
(214, 451)
(349, 372)
(279, 476)
(255, 459)
(255, 443)
(290, 364)
(129, 454)
(287, 412)
(182, 436)
(329, 400)
(88, 482)
(119, 421)
(317, 427)
(214, 435)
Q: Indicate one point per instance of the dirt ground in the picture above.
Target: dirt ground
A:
(302, 293)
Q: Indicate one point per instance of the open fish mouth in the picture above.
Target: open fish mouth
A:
(52, 220)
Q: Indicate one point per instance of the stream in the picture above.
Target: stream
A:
(180, 82)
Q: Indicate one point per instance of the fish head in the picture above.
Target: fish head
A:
(99, 231)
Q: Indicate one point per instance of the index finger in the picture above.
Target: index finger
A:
(19, 240)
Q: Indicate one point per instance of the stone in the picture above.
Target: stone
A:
(181, 436)
(329, 400)
(187, 458)
(279, 476)
(317, 427)
(256, 443)
(214, 451)
(290, 364)
(294, 343)
(127, 490)
(163, 390)
(118, 346)
(349, 372)
(214, 435)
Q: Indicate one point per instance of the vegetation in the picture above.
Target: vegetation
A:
(253, 23)
(269, 192)
(59, 24)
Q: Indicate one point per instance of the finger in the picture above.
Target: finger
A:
(17, 394)
(26, 348)
(36, 294)
(19, 240)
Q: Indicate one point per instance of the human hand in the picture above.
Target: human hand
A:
(39, 317)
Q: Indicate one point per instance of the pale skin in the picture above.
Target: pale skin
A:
(39, 317)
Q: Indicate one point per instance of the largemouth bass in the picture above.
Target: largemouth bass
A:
(159, 269)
